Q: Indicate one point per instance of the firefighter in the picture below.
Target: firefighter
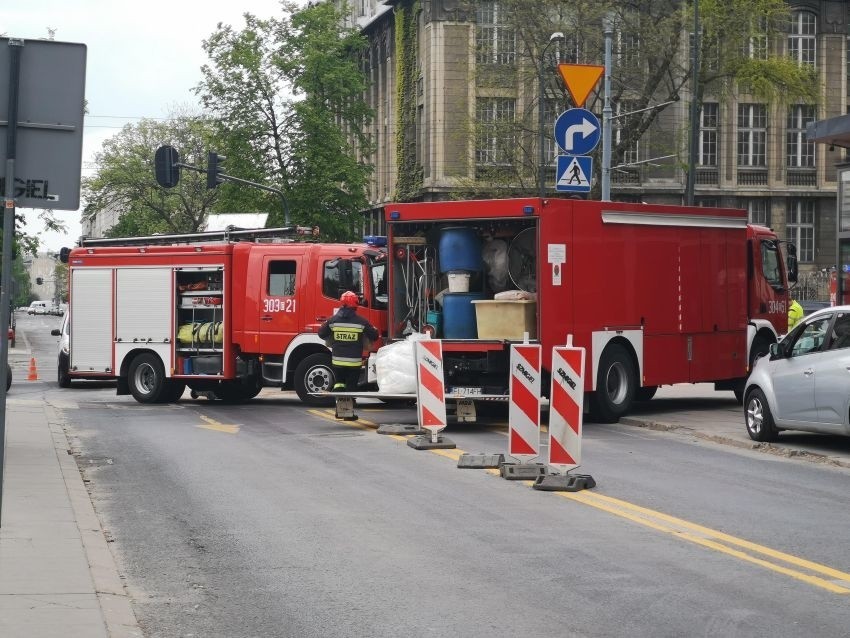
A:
(346, 334)
(795, 313)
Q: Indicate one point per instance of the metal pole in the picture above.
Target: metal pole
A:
(695, 108)
(541, 70)
(608, 29)
(8, 237)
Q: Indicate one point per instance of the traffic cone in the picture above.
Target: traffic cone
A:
(33, 375)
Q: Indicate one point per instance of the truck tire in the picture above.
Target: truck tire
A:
(314, 374)
(237, 392)
(174, 390)
(63, 377)
(8, 377)
(616, 384)
(146, 379)
(646, 393)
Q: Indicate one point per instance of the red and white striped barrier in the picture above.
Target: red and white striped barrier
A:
(430, 391)
(566, 405)
(524, 407)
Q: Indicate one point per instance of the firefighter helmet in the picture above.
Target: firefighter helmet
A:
(349, 299)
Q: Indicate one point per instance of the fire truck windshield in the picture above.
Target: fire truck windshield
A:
(770, 263)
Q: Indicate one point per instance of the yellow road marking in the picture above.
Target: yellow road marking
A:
(676, 527)
(212, 424)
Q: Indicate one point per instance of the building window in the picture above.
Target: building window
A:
(707, 202)
(800, 227)
(495, 42)
(495, 118)
(628, 49)
(755, 45)
(752, 134)
(799, 152)
(758, 210)
(802, 45)
(551, 110)
(708, 134)
(631, 154)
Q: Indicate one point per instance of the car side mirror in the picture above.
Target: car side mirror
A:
(775, 352)
(55, 332)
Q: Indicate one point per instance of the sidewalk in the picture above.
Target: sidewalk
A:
(57, 575)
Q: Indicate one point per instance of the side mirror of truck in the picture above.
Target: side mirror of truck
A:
(55, 332)
(791, 263)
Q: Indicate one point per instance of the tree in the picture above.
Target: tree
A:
(125, 182)
(283, 93)
(651, 65)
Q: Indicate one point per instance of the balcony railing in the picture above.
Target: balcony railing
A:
(752, 178)
(708, 177)
(801, 177)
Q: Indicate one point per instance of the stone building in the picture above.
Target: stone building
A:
(751, 155)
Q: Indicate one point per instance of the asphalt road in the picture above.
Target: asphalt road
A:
(271, 519)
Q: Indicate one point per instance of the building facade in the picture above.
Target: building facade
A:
(434, 107)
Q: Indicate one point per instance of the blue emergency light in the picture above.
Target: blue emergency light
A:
(379, 241)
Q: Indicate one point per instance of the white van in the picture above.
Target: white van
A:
(38, 308)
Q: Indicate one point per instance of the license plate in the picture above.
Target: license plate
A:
(466, 392)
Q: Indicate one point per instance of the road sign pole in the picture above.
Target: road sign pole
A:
(606, 113)
(15, 50)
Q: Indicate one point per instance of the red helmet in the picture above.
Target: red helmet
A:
(349, 299)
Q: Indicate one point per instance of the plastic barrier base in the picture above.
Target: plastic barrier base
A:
(427, 442)
(345, 409)
(564, 483)
(480, 461)
(400, 428)
(522, 471)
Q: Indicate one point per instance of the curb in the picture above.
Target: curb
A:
(117, 612)
(765, 448)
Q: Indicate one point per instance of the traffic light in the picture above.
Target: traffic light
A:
(214, 171)
(39, 281)
(166, 169)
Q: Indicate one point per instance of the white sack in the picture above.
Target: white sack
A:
(395, 366)
(495, 256)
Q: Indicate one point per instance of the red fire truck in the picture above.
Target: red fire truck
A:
(224, 313)
(656, 294)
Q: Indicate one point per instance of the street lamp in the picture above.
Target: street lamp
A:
(541, 173)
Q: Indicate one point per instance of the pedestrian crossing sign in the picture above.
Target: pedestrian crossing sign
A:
(574, 173)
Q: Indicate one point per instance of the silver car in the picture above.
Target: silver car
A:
(804, 383)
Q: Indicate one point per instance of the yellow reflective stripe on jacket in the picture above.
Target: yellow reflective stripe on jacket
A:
(346, 361)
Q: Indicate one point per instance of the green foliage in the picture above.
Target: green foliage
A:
(285, 94)
(125, 182)
(409, 181)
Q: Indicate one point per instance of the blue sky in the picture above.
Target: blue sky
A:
(142, 61)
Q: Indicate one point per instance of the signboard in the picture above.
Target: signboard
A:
(580, 79)
(574, 173)
(577, 131)
(566, 407)
(524, 407)
(51, 102)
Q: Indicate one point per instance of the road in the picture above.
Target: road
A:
(272, 519)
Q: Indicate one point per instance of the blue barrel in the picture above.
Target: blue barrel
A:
(459, 315)
(460, 249)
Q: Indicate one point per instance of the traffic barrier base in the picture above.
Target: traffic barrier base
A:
(345, 409)
(480, 461)
(564, 483)
(432, 441)
(400, 428)
(522, 471)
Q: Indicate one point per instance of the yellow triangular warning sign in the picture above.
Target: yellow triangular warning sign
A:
(580, 79)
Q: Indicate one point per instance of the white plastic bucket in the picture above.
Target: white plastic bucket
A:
(458, 281)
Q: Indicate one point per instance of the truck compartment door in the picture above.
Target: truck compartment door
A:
(91, 320)
(144, 311)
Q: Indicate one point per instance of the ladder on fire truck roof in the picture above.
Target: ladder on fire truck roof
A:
(229, 234)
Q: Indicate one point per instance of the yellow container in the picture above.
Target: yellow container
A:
(499, 319)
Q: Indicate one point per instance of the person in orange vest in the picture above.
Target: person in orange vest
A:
(346, 333)
(795, 313)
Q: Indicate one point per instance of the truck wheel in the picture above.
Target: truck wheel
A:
(147, 379)
(646, 393)
(237, 392)
(616, 383)
(8, 377)
(314, 374)
(63, 377)
(173, 391)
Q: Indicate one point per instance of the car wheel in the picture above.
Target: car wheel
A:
(63, 376)
(758, 418)
(616, 383)
(314, 374)
(146, 378)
